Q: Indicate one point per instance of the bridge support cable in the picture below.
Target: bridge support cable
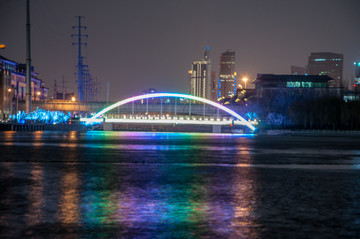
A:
(189, 107)
(161, 107)
(175, 104)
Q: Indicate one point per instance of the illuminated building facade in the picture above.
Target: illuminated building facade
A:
(200, 77)
(13, 86)
(227, 76)
(327, 63)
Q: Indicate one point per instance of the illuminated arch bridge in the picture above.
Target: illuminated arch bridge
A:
(103, 115)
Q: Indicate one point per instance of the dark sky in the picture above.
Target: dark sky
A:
(141, 44)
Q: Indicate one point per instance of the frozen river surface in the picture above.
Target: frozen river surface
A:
(178, 185)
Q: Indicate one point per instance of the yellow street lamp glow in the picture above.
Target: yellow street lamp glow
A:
(9, 89)
(73, 99)
(245, 80)
(2, 46)
(38, 93)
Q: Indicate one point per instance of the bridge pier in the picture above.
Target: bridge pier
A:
(216, 129)
(108, 126)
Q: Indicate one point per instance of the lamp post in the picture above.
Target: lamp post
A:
(245, 80)
(17, 97)
(38, 94)
(10, 100)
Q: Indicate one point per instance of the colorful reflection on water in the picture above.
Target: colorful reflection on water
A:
(164, 185)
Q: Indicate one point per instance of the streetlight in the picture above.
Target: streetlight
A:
(2, 46)
(73, 99)
(245, 80)
(38, 94)
(10, 100)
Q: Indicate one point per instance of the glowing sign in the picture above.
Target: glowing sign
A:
(158, 95)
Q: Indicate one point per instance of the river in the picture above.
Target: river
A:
(178, 185)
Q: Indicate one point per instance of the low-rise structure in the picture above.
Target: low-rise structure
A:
(276, 94)
(309, 86)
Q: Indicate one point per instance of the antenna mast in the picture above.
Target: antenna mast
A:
(80, 66)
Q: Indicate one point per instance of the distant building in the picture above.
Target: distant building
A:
(227, 78)
(298, 70)
(149, 91)
(200, 77)
(64, 96)
(13, 86)
(327, 63)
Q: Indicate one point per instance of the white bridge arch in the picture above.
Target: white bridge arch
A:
(174, 95)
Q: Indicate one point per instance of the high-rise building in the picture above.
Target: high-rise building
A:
(200, 77)
(227, 76)
(327, 63)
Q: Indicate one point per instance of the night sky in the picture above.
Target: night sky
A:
(136, 45)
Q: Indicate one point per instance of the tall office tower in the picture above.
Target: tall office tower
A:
(227, 77)
(327, 63)
(200, 73)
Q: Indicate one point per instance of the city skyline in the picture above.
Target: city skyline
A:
(149, 45)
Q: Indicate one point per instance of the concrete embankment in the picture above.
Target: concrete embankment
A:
(41, 127)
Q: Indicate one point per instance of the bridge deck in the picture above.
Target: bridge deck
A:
(165, 120)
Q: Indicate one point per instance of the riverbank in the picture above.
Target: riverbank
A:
(352, 133)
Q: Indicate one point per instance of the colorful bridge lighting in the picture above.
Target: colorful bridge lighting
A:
(180, 95)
